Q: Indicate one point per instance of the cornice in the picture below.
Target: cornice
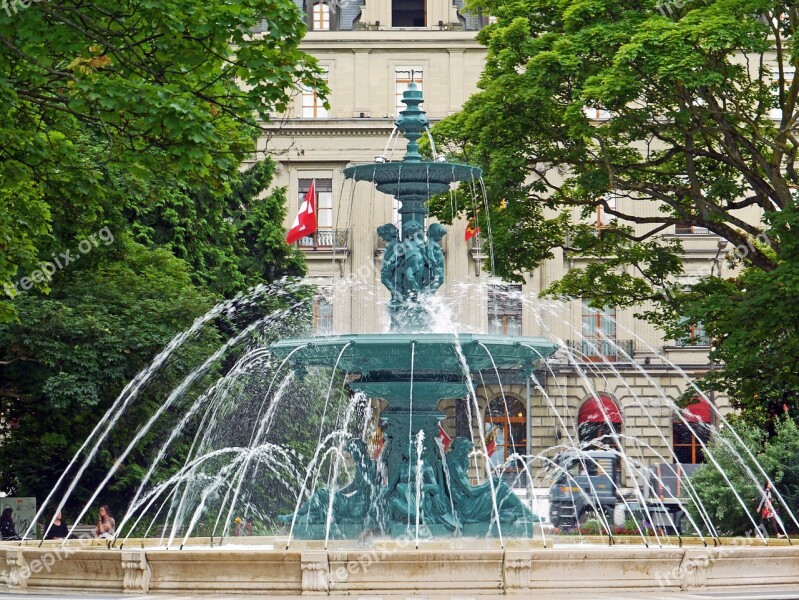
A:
(332, 127)
(350, 41)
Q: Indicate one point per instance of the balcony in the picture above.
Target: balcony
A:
(595, 350)
(683, 229)
(326, 240)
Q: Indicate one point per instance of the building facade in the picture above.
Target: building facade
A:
(621, 377)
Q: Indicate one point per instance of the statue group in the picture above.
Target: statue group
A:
(412, 266)
(432, 489)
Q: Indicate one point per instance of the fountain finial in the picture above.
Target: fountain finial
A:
(412, 122)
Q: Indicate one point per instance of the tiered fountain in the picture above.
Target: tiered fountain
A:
(413, 370)
(413, 490)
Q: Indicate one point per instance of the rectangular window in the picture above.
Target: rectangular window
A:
(324, 236)
(788, 74)
(312, 106)
(696, 336)
(403, 76)
(604, 220)
(323, 312)
(408, 13)
(599, 333)
(321, 16)
(505, 310)
(687, 448)
(596, 113)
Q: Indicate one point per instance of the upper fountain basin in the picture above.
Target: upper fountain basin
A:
(412, 178)
(433, 353)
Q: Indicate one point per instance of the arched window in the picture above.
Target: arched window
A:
(598, 420)
(687, 433)
(506, 430)
(321, 17)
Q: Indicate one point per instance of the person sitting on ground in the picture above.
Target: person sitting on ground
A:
(58, 528)
(106, 526)
(8, 530)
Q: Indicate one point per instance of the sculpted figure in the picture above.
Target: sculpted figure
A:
(414, 253)
(435, 256)
(473, 503)
(352, 503)
(400, 504)
(388, 272)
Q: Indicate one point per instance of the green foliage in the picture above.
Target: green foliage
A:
(232, 240)
(71, 352)
(753, 320)
(110, 103)
(690, 132)
(779, 457)
(131, 118)
(689, 140)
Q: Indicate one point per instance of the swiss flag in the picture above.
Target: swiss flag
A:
(491, 442)
(471, 230)
(444, 437)
(305, 221)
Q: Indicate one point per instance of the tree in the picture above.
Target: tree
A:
(155, 92)
(655, 115)
(71, 353)
(689, 130)
(779, 458)
(232, 240)
(753, 320)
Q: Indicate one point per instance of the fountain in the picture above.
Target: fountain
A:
(413, 370)
(410, 519)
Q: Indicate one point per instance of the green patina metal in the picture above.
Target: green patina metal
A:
(413, 266)
(413, 370)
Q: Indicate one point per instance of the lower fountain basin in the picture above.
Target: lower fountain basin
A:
(448, 570)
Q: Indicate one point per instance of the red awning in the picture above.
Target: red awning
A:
(699, 412)
(599, 410)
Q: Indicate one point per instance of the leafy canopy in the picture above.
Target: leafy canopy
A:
(603, 124)
(689, 95)
(108, 98)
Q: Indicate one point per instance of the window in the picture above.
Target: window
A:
(599, 421)
(596, 113)
(687, 436)
(408, 13)
(323, 312)
(321, 17)
(505, 310)
(324, 236)
(599, 333)
(403, 76)
(696, 336)
(506, 432)
(312, 106)
(788, 74)
(603, 219)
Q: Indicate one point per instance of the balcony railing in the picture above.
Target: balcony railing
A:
(326, 240)
(697, 341)
(682, 229)
(601, 350)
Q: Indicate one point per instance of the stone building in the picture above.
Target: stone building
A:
(371, 51)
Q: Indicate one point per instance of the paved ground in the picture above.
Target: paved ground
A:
(740, 594)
